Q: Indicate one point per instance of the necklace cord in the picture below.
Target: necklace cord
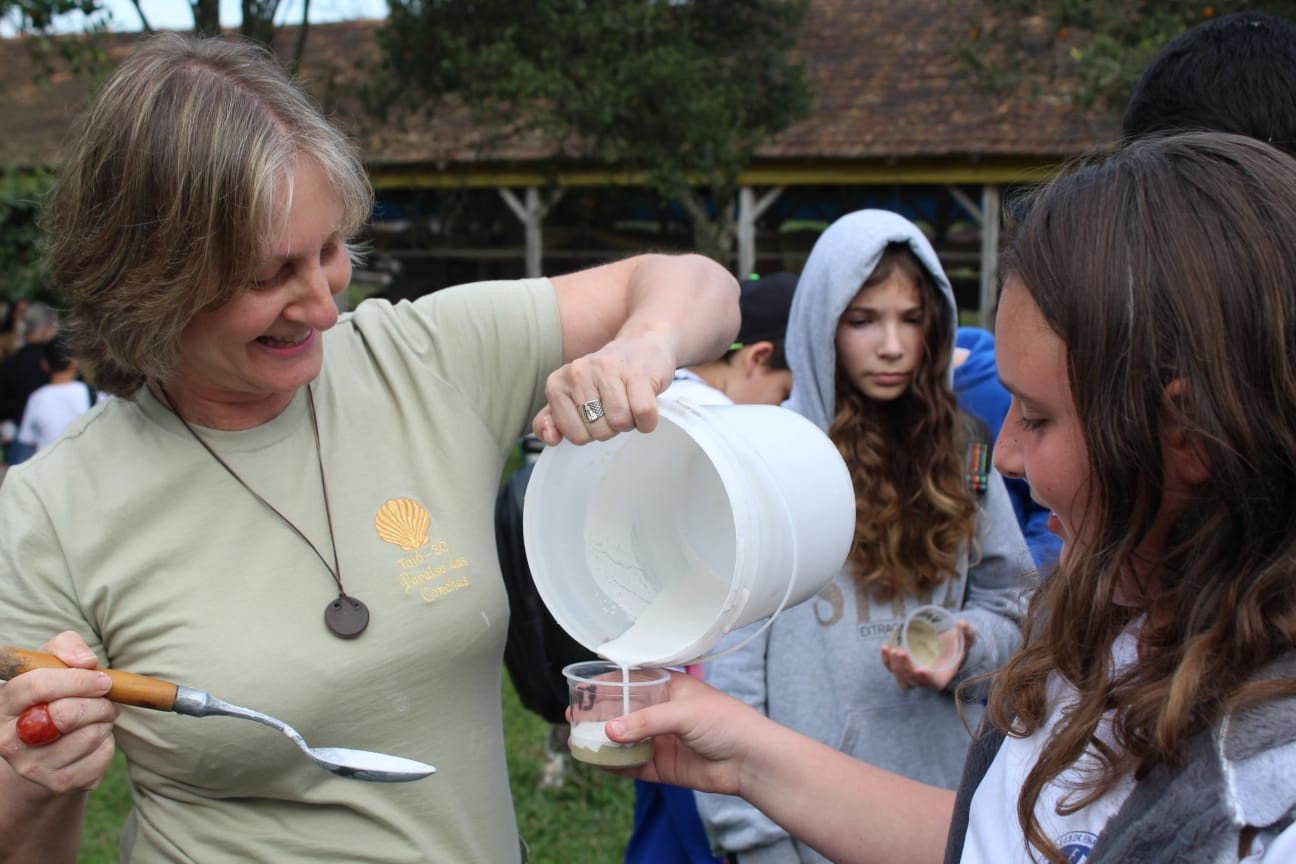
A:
(335, 571)
(328, 515)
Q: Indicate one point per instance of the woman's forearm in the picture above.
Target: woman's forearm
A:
(686, 303)
(695, 293)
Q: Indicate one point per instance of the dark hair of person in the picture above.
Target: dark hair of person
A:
(778, 357)
(13, 313)
(56, 356)
(1233, 74)
(1169, 261)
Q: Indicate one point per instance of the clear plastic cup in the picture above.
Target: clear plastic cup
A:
(601, 691)
(931, 636)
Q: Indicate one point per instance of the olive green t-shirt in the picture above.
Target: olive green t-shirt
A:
(127, 531)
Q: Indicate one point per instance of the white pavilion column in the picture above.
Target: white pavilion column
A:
(531, 214)
(749, 210)
(987, 216)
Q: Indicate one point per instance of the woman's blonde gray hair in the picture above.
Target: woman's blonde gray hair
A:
(169, 193)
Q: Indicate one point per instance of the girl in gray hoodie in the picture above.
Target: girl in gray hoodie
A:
(870, 341)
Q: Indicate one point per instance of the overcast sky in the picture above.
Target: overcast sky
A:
(175, 14)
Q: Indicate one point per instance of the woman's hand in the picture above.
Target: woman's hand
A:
(908, 674)
(79, 747)
(626, 327)
(623, 378)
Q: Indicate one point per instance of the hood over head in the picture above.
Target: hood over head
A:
(842, 258)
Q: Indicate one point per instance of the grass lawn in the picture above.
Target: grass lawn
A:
(586, 820)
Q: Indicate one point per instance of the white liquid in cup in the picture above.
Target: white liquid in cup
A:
(932, 637)
(590, 744)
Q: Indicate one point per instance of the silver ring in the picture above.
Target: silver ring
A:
(591, 410)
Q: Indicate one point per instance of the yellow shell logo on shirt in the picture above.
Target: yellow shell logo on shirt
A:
(403, 522)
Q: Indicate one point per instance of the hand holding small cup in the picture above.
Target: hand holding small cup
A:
(927, 648)
(601, 691)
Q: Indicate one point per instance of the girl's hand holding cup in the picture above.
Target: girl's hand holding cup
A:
(927, 648)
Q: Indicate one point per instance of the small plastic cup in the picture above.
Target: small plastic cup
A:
(931, 636)
(601, 691)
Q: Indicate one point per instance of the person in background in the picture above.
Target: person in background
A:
(536, 649)
(1151, 715)
(10, 342)
(869, 343)
(1235, 73)
(23, 371)
(300, 516)
(754, 371)
(11, 328)
(976, 383)
(53, 407)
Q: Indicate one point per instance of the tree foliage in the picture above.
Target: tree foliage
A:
(1097, 47)
(21, 242)
(41, 20)
(681, 93)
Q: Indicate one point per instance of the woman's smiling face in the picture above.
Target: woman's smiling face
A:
(241, 363)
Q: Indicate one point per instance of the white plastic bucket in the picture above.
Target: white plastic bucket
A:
(665, 542)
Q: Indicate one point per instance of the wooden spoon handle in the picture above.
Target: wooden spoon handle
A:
(127, 688)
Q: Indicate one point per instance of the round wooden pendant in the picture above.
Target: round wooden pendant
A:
(346, 617)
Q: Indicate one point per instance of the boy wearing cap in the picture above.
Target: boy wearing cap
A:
(754, 371)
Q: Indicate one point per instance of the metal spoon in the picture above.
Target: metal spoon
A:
(144, 692)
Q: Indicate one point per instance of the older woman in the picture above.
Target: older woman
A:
(289, 508)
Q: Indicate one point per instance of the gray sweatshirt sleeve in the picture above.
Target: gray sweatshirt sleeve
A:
(1001, 570)
(731, 822)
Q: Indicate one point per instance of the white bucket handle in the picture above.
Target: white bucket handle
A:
(787, 593)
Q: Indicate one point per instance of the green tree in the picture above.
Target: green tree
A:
(1095, 48)
(680, 93)
(40, 20)
(25, 275)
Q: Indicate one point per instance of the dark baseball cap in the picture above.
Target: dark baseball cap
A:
(765, 303)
